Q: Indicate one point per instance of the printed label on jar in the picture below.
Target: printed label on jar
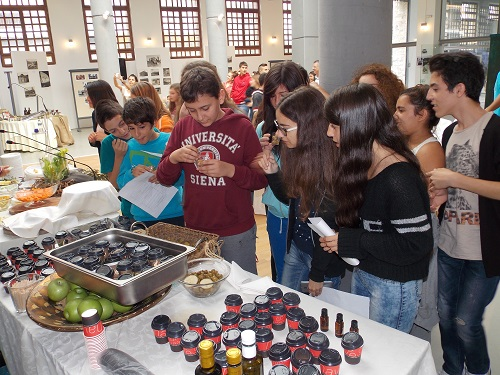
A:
(93, 330)
(197, 329)
(264, 346)
(293, 324)
(235, 309)
(263, 309)
(176, 341)
(330, 370)
(160, 333)
(294, 348)
(286, 363)
(190, 351)
(279, 319)
(225, 328)
(353, 353)
(269, 326)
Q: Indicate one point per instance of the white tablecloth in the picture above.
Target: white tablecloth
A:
(32, 129)
(30, 349)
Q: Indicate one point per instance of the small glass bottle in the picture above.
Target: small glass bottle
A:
(252, 362)
(207, 360)
(324, 320)
(234, 366)
(339, 325)
(354, 326)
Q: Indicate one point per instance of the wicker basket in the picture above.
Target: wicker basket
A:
(207, 244)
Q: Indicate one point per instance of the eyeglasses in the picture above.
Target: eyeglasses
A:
(282, 129)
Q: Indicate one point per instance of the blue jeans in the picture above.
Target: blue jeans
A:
(276, 230)
(392, 303)
(296, 269)
(464, 291)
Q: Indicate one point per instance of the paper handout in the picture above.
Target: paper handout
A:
(318, 225)
(148, 196)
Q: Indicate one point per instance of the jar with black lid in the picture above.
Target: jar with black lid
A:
(104, 245)
(61, 237)
(105, 271)
(25, 269)
(175, 330)
(308, 325)
(75, 233)
(5, 277)
(28, 244)
(84, 250)
(19, 259)
(27, 262)
(16, 254)
(130, 246)
(37, 254)
(296, 340)
(262, 303)
(124, 266)
(263, 320)
(263, 339)
(46, 272)
(189, 343)
(31, 250)
(279, 354)
(316, 343)
(300, 357)
(116, 245)
(142, 246)
(138, 266)
(66, 256)
(116, 255)
(77, 260)
(138, 255)
(248, 311)
(291, 300)
(278, 312)
(196, 322)
(231, 338)
(12, 250)
(84, 234)
(243, 325)
(212, 330)
(91, 263)
(233, 303)
(7, 268)
(154, 256)
(98, 253)
(40, 265)
(275, 294)
(229, 319)
(94, 228)
(293, 317)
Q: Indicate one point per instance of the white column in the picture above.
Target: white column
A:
(305, 37)
(217, 36)
(105, 41)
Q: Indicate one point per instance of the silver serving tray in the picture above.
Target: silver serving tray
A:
(129, 291)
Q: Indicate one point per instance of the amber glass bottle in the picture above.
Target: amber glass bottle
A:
(252, 362)
(207, 365)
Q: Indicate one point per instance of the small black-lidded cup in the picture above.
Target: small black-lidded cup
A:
(279, 370)
(308, 325)
(130, 246)
(262, 303)
(138, 266)
(104, 245)
(212, 330)
(61, 237)
(352, 342)
(248, 311)
(116, 255)
(175, 330)
(116, 245)
(220, 358)
(37, 253)
(293, 317)
(329, 361)
(25, 269)
(243, 325)
(159, 325)
(85, 234)
(196, 322)
(5, 278)
(316, 343)
(75, 234)
(228, 320)
(84, 250)
(98, 253)
(279, 354)
(77, 260)
(27, 262)
(275, 295)
(264, 340)
(291, 300)
(155, 256)
(124, 266)
(296, 340)
(105, 271)
(278, 313)
(142, 247)
(28, 244)
(12, 250)
(300, 357)
(91, 263)
(40, 265)
(308, 369)
(231, 338)
(189, 342)
(233, 303)
(264, 320)
(138, 255)
(46, 272)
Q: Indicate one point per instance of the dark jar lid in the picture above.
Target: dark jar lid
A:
(248, 310)
(262, 302)
(279, 352)
(77, 261)
(85, 234)
(232, 337)
(61, 234)
(27, 262)
(131, 245)
(233, 300)
(296, 338)
(144, 247)
(7, 268)
(138, 255)
(102, 244)
(220, 358)
(11, 250)
(96, 252)
(279, 370)
(295, 314)
(76, 232)
(67, 256)
(308, 324)
(264, 335)
(175, 330)
(138, 265)
(91, 263)
(105, 271)
(37, 253)
(94, 228)
(330, 357)
(190, 339)
(229, 318)
(155, 253)
(116, 245)
(124, 265)
(19, 259)
(116, 254)
(263, 319)
(351, 341)
(25, 269)
(28, 244)
(84, 249)
(318, 341)
(6, 276)
(274, 293)
(196, 320)
(41, 264)
(48, 271)
(32, 249)
(212, 329)
(3, 262)
(247, 324)
(125, 276)
(160, 322)
(308, 369)
(300, 357)
(16, 254)
(291, 299)
(277, 309)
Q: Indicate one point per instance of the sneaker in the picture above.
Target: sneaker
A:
(442, 372)
(469, 373)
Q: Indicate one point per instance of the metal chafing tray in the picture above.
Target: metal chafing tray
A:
(129, 291)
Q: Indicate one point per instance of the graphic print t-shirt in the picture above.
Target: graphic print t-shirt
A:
(459, 234)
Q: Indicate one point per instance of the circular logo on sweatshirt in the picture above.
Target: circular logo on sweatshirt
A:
(206, 152)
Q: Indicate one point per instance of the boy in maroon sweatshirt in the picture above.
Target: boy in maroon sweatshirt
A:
(217, 150)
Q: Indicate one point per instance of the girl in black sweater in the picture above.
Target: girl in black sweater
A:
(383, 209)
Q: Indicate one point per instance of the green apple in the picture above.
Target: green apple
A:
(89, 303)
(74, 286)
(78, 293)
(107, 308)
(121, 308)
(94, 296)
(58, 289)
(71, 311)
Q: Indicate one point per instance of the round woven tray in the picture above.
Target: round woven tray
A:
(49, 315)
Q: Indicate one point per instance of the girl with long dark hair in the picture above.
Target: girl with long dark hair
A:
(305, 181)
(383, 209)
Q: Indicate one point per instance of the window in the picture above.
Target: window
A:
(287, 27)
(180, 24)
(243, 26)
(469, 19)
(403, 45)
(123, 29)
(25, 26)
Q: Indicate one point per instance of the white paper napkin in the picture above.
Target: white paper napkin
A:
(318, 225)
(242, 281)
(95, 197)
